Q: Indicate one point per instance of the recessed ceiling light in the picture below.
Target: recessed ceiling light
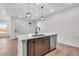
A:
(3, 12)
(52, 10)
(37, 3)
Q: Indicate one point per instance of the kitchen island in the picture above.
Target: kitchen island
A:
(29, 45)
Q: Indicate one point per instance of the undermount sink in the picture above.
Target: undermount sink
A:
(38, 35)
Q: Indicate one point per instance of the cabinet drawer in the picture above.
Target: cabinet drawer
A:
(41, 39)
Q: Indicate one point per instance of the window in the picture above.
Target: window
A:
(3, 26)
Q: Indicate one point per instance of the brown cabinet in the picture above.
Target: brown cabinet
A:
(39, 46)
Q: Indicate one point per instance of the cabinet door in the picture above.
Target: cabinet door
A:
(42, 46)
(30, 48)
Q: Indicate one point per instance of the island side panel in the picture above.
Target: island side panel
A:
(22, 48)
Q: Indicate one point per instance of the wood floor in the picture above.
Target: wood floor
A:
(64, 50)
(8, 47)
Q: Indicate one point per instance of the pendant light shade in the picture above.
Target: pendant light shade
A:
(42, 18)
(28, 15)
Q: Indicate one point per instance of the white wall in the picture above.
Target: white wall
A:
(65, 24)
(22, 27)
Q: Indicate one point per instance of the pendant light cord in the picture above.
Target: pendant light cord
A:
(42, 10)
(28, 5)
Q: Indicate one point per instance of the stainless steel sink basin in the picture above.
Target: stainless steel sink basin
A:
(38, 35)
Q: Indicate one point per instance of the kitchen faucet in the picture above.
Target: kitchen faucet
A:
(36, 30)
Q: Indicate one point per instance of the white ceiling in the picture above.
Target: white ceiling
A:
(19, 9)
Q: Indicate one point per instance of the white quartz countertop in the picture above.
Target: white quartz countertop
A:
(29, 36)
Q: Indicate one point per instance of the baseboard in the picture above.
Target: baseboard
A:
(69, 44)
(5, 37)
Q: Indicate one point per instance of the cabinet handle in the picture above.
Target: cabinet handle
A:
(33, 41)
(43, 42)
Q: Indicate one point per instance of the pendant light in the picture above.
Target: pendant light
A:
(28, 14)
(42, 16)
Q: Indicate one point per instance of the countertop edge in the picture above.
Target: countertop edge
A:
(29, 36)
